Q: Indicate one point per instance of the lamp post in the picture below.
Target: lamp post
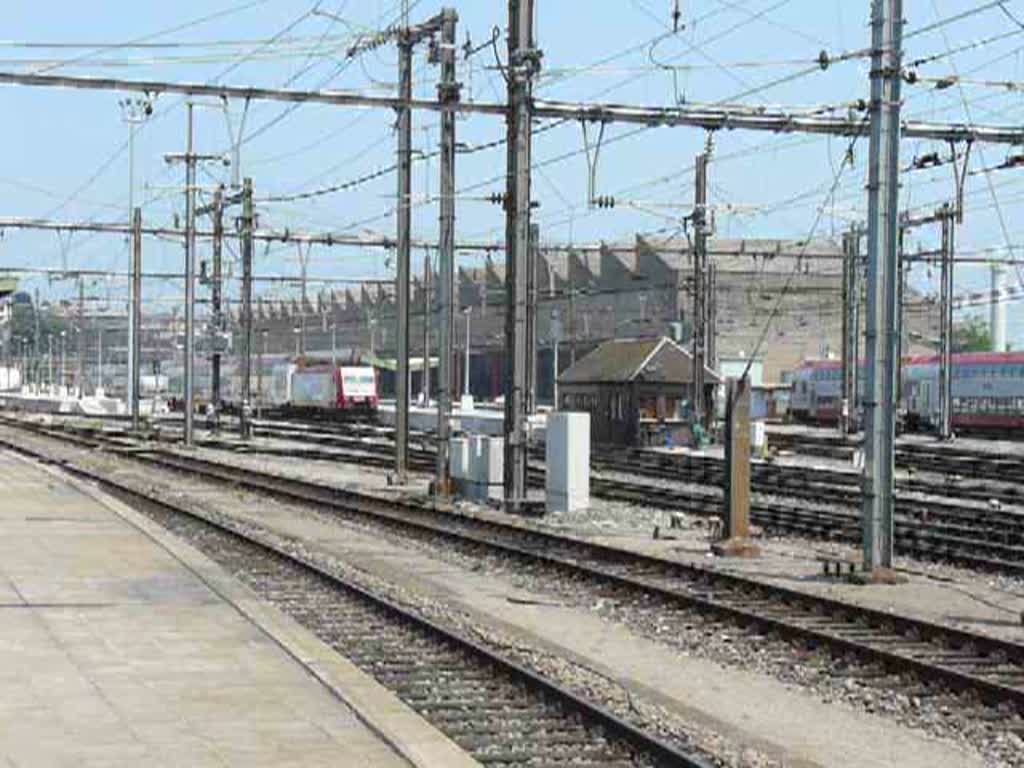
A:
(298, 340)
(135, 110)
(334, 343)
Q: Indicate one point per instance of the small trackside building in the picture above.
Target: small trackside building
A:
(633, 388)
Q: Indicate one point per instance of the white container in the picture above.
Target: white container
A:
(485, 472)
(567, 455)
(758, 438)
(458, 452)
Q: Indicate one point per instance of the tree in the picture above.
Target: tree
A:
(972, 334)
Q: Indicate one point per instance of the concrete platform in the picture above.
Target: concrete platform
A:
(122, 646)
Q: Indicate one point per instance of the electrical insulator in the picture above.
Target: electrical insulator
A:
(604, 201)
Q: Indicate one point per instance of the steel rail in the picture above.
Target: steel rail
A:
(734, 598)
(981, 539)
(596, 715)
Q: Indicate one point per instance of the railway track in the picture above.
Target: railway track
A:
(951, 459)
(933, 528)
(499, 711)
(978, 537)
(916, 658)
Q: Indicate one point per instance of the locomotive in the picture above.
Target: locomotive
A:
(307, 386)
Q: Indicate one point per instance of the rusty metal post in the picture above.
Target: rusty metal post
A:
(736, 530)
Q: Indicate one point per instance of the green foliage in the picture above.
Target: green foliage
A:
(23, 323)
(972, 334)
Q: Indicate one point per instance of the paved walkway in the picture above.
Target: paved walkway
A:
(116, 652)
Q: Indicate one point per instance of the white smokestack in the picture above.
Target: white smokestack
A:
(997, 310)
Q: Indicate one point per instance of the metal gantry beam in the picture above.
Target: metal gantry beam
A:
(708, 117)
(880, 335)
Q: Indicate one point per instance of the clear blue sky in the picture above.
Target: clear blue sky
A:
(66, 151)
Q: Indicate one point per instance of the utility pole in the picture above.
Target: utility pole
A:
(531, 319)
(259, 374)
(572, 314)
(712, 315)
(856, 290)
(946, 326)
(190, 159)
(699, 258)
(997, 309)
(556, 337)
(427, 314)
(80, 376)
(303, 259)
(37, 374)
(134, 111)
(849, 298)
(246, 233)
(901, 280)
(880, 332)
(99, 360)
(190, 275)
(216, 291)
(465, 373)
(523, 64)
(135, 329)
(404, 224)
(63, 359)
(447, 93)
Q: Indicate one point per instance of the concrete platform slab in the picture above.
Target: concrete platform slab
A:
(126, 647)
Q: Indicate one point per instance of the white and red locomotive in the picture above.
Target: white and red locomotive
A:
(312, 385)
